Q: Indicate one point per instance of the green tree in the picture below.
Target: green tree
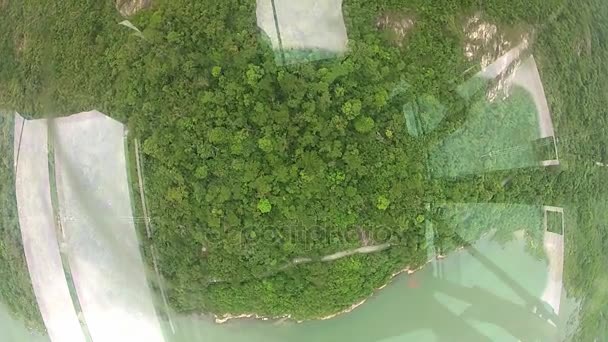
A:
(264, 206)
(364, 124)
(265, 144)
(382, 202)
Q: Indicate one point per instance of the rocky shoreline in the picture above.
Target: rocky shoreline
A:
(227, 317)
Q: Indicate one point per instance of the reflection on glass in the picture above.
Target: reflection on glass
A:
(303, 31)
(501, 132)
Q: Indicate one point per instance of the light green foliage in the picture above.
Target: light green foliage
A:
(264, 206)
(216, 71)
(201, 172)
(254, 74)
(364, 124)
(351, 108)
(382, 203)
(265, 144)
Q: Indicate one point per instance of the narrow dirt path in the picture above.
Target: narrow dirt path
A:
(360, 250)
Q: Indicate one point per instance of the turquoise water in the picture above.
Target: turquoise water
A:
(14, 330)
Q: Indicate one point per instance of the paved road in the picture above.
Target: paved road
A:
(39, 233)
(97, 217)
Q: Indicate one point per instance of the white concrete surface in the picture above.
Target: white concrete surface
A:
(38, 232)
(554, 249)
(303, 24)
(265, 19)
(103, 249)
(528, 77)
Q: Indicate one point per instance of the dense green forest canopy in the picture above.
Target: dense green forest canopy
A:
(250, 165)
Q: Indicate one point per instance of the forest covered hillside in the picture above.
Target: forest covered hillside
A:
(251, 164)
